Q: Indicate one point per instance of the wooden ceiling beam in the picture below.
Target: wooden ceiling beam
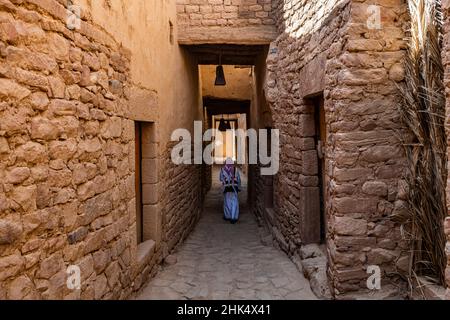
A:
(215, 106)
(226, 54)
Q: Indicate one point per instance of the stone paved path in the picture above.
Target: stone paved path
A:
(224, 261)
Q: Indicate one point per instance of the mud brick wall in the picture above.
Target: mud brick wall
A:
(66, 158)
(326, 46)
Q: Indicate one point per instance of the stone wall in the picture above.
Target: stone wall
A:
(225, 12)
(182, 200)
(149, 29)
(295, 69)
(206, 169)
(67, 191)
(446, 61)
(261, 193)
(69, 99)
(328, 48)
(225, 21)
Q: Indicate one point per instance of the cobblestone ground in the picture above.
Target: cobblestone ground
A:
(224, 261)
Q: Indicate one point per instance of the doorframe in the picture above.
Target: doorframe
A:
(317, 230)
(320, 142)
(138, 182)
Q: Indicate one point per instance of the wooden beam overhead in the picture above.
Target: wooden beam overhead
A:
(265, 34)
(215, 106)
(225, 54)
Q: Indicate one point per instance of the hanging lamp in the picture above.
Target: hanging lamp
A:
(220, 75)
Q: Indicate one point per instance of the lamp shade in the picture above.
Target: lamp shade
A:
(223, 125)
(220, 76)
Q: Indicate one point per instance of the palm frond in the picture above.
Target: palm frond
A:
(423, 112)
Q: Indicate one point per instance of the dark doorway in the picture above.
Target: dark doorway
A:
(268, 180)
(320, 139)
(138, 181)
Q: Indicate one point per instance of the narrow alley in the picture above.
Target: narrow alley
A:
(221, 261)
(116, 116)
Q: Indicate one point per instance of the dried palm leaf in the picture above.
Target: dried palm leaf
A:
(423, 112)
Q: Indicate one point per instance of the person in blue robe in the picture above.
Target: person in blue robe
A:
(231, 183)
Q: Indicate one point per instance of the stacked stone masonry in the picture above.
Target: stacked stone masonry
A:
(182, 200)
(365, 125)
(326, 47)
(67, 158)
(67, 144)
(224, 12)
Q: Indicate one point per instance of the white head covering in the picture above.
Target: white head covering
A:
(229, 161)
